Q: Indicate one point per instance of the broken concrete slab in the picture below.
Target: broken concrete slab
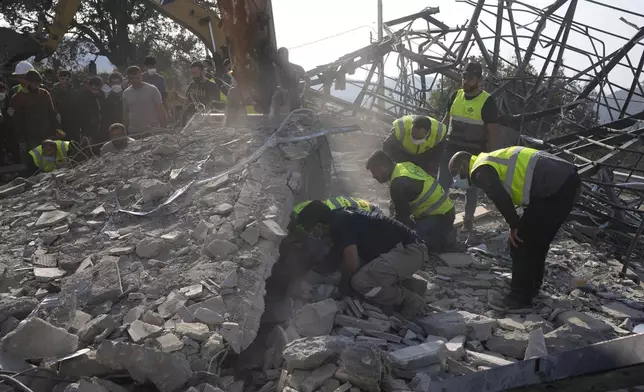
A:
(456, 347)
(149, 248)
(48, 274)
(457, 260)
(536, 345)
(218, 249)
(318, 377)
(582, 320)
(37, 339)
(166, 371)
(139, 331)
(97, 330)
(486, 359)
(316, 319)
(19, 307)
(620, 311)
(270, 230)
(212, 346)
(361, 365)
(152, 189)
(51, 218)
(173, 302)
(348, 321)
(209, 317)
(196, 331)
(312, 352)
(454, 323)
(96, 284)
(510, 344)
(419, 356)
(169, 343)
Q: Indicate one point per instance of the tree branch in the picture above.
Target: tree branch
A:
(96, 40)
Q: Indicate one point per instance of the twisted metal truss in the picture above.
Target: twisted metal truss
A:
(541, 103)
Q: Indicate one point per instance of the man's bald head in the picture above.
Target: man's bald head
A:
(460, 164)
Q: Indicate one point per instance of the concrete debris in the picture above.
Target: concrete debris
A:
(48, 274)
(208, 316)
(536, 345)
(361, 365)
(312, 352)
(196, 331)
(454, 323)
(149, 248)
(37, 339)
(152, 189)
(512, 344)
(139, 331)
(219, 249)
(316, 319)
(270, 230)
(419, 356)
(16, 307)
(212, 346)
(51, 218)
(97, 330)
(169, 343)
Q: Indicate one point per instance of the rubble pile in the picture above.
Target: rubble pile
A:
(159, 291)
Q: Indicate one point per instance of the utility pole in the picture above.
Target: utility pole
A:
(381, 66)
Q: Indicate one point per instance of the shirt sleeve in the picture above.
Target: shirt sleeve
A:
(403, 191)
(487, 179)
(156, 95)
(392, 147)
(489, 111)
(452, 98)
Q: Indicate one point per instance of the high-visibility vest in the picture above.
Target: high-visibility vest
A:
(433, 200)
(402, 131)
(61, 157)
(466, 126)
(515, 167)
(335, 203)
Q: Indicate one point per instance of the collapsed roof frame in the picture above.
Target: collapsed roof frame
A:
(610, 157)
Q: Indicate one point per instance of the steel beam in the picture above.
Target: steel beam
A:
(605, 366)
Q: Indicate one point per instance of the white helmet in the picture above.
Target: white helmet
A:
(23, 67)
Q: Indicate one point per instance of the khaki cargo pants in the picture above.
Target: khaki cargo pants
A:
(379, 281)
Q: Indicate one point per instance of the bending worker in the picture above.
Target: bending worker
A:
(473, 127)
(545, 185)
(49, 156)
(378, 254)
(418, 200)
(417, 139)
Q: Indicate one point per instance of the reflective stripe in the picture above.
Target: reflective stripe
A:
(336, 204)
(64, 146)
(467, 120)
(529, 172)
(441, 132)
(400, 130)
(352, 202)
(39, 162)
(435, 206)
(373, 292)
(416, 204)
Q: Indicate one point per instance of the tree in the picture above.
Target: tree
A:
(550, 93)
(124, 31)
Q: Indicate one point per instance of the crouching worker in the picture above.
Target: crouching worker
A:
(49, 156)
(418, 200)
(545, 185)
(377, 254)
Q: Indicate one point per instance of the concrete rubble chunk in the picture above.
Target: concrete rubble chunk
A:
(173, 302)
(620, 311)
(213, 345)
(192, 292)
(223, 209)
(361, 365)
(420, 383)
(250, 235)
(318, 377)
(51, 218)
(233, 335)
(454, 323)
(85, 385)
(169, 343)
(456, 347)
(457, 260)
(133, 314)
(16, 307)
(100, 282)
(270, 230)
(196, 331)
(486, 359)
(166, 371)
(511, 344)
(139, 331)
(230, 281)
(48, 274)
(416, 357)
(97, 329)
(84, 365)
(348, 321)
(149, 248)
(153, 318)
(209, 317)
(37, 339)
(312, 352)
(202, 230)
(582, 320)
(216, 304)
(80, 320)
(536, 345)
(152, 189)
(511, 323)
(219, 249)
(316, 319)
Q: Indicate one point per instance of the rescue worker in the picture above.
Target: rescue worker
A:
(118, 139)
(34, 116)
(417, 139)
(341, 202)
(547, 188)
(49, 156)
(418, 200)
(473, 127)
(378, 254)
(63, 94)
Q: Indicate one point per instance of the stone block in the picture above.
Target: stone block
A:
(511, 344)
(361, 365)
(166, 371)
(486, 359)
(149, 248)
(173, 302)
(51, 218)
(582, 320)
(196, 331)
(153, 318)
(97, 329)
(270, 230)
(223, 209)
(454, 323)
(84, 365)
(96, 284)
(213, 345)
(209, 317)
(48, 274)
(218, 249)
(19, 307)
(312, 352)
(536, 345)
(250, 235)
(318, 377)
(192, 292)
(512, 323)
(216, 304)
(37, 339)
(202, 230)
(139, 331)
(620, 311)
(233, 335)
(456, 347)
(316, 319)
(348, 321)
(152, 189)
(133, 314)
(416, 357)
(457, 260)
(169, 343)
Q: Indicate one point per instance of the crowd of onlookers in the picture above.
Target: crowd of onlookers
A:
(37, 107)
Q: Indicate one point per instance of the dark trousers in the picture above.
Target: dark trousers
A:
(537, 228)
(437, 231)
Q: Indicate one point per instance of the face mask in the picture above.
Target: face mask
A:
(461, 183)
(106, 89)
(117, 88)
(49, 159)
(418, 141)
(152, 71)
(3, 96)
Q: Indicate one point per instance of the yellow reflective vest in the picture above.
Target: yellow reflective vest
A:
(466, 126)
(61, 157)
(433, 200)
(515, 167)
(250, 109)
(335, 203)
(402, 131)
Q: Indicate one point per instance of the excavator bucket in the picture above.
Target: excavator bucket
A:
(15, 47)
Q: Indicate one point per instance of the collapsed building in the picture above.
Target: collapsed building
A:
(148, 269)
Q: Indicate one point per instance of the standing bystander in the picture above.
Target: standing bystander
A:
(142, 105)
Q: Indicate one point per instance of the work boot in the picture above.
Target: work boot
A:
(468, 226)
(412, 305)
(509, 303)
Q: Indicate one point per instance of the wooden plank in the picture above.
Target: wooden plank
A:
(479, 213)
